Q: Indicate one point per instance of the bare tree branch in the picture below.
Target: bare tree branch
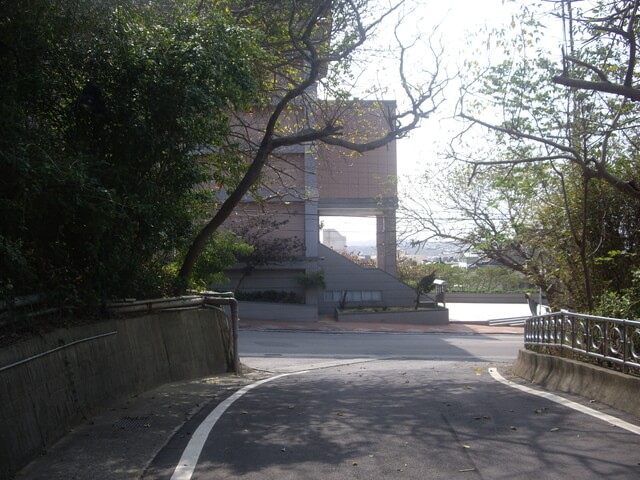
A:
(601, 171)
(313, 50)
(517, 134)
(604, 87)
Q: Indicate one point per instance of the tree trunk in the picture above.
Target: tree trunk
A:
(232, 201)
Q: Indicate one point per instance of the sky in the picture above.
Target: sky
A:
(457, 20)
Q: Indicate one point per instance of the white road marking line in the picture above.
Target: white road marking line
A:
(187, 464)
(567, 403)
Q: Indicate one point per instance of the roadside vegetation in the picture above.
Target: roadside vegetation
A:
(545, 176)
(104, 107)
(481, 280)
(130, 131)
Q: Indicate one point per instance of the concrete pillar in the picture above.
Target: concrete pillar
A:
(386, 242)
(311, 220)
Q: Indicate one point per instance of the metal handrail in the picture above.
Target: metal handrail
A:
(611, 342)
(227, 298)
(132, 306)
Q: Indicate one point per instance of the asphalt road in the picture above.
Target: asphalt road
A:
(256, 344)
(392, 407)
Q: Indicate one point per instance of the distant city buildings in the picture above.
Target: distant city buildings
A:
(334, 239)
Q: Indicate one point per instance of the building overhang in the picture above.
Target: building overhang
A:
(356, 207)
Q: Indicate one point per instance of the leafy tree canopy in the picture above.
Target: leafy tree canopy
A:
(110, 114)
(546, 171)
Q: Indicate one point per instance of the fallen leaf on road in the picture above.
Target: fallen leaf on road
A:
(513, 428)
(555, 429)
(355, 464)
(340, 414)
(466, 446)
(541, 410)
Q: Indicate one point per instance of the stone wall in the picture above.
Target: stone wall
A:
(52, 383)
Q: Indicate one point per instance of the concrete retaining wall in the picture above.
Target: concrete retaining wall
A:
(590, 381)
(41, 399)
(278, 311)
(438, 316)
(466, 297)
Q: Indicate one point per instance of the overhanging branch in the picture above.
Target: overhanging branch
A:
(604, 87)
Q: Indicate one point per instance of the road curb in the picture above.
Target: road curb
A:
(348, 327)
(609, 387)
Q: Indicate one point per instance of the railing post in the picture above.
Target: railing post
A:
(227, 298)
(562, 334)
(574, 335)
(625, 368)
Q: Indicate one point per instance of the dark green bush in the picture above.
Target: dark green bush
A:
(272, 296)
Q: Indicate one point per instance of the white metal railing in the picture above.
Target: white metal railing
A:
(611, 342)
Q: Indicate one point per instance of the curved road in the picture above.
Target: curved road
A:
(393, 407)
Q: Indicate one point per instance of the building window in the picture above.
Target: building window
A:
(371, 296)
(353, 295)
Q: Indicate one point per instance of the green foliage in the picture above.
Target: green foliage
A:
(545, 188)
(221, 253)
(312, 280)
(267, 249)
(482, 279)
(424, 286)
(624, 303)
(103, 106)
(426, 283)
(272, 296)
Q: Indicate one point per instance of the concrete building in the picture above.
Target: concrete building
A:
(305, 182)
(334, 239)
